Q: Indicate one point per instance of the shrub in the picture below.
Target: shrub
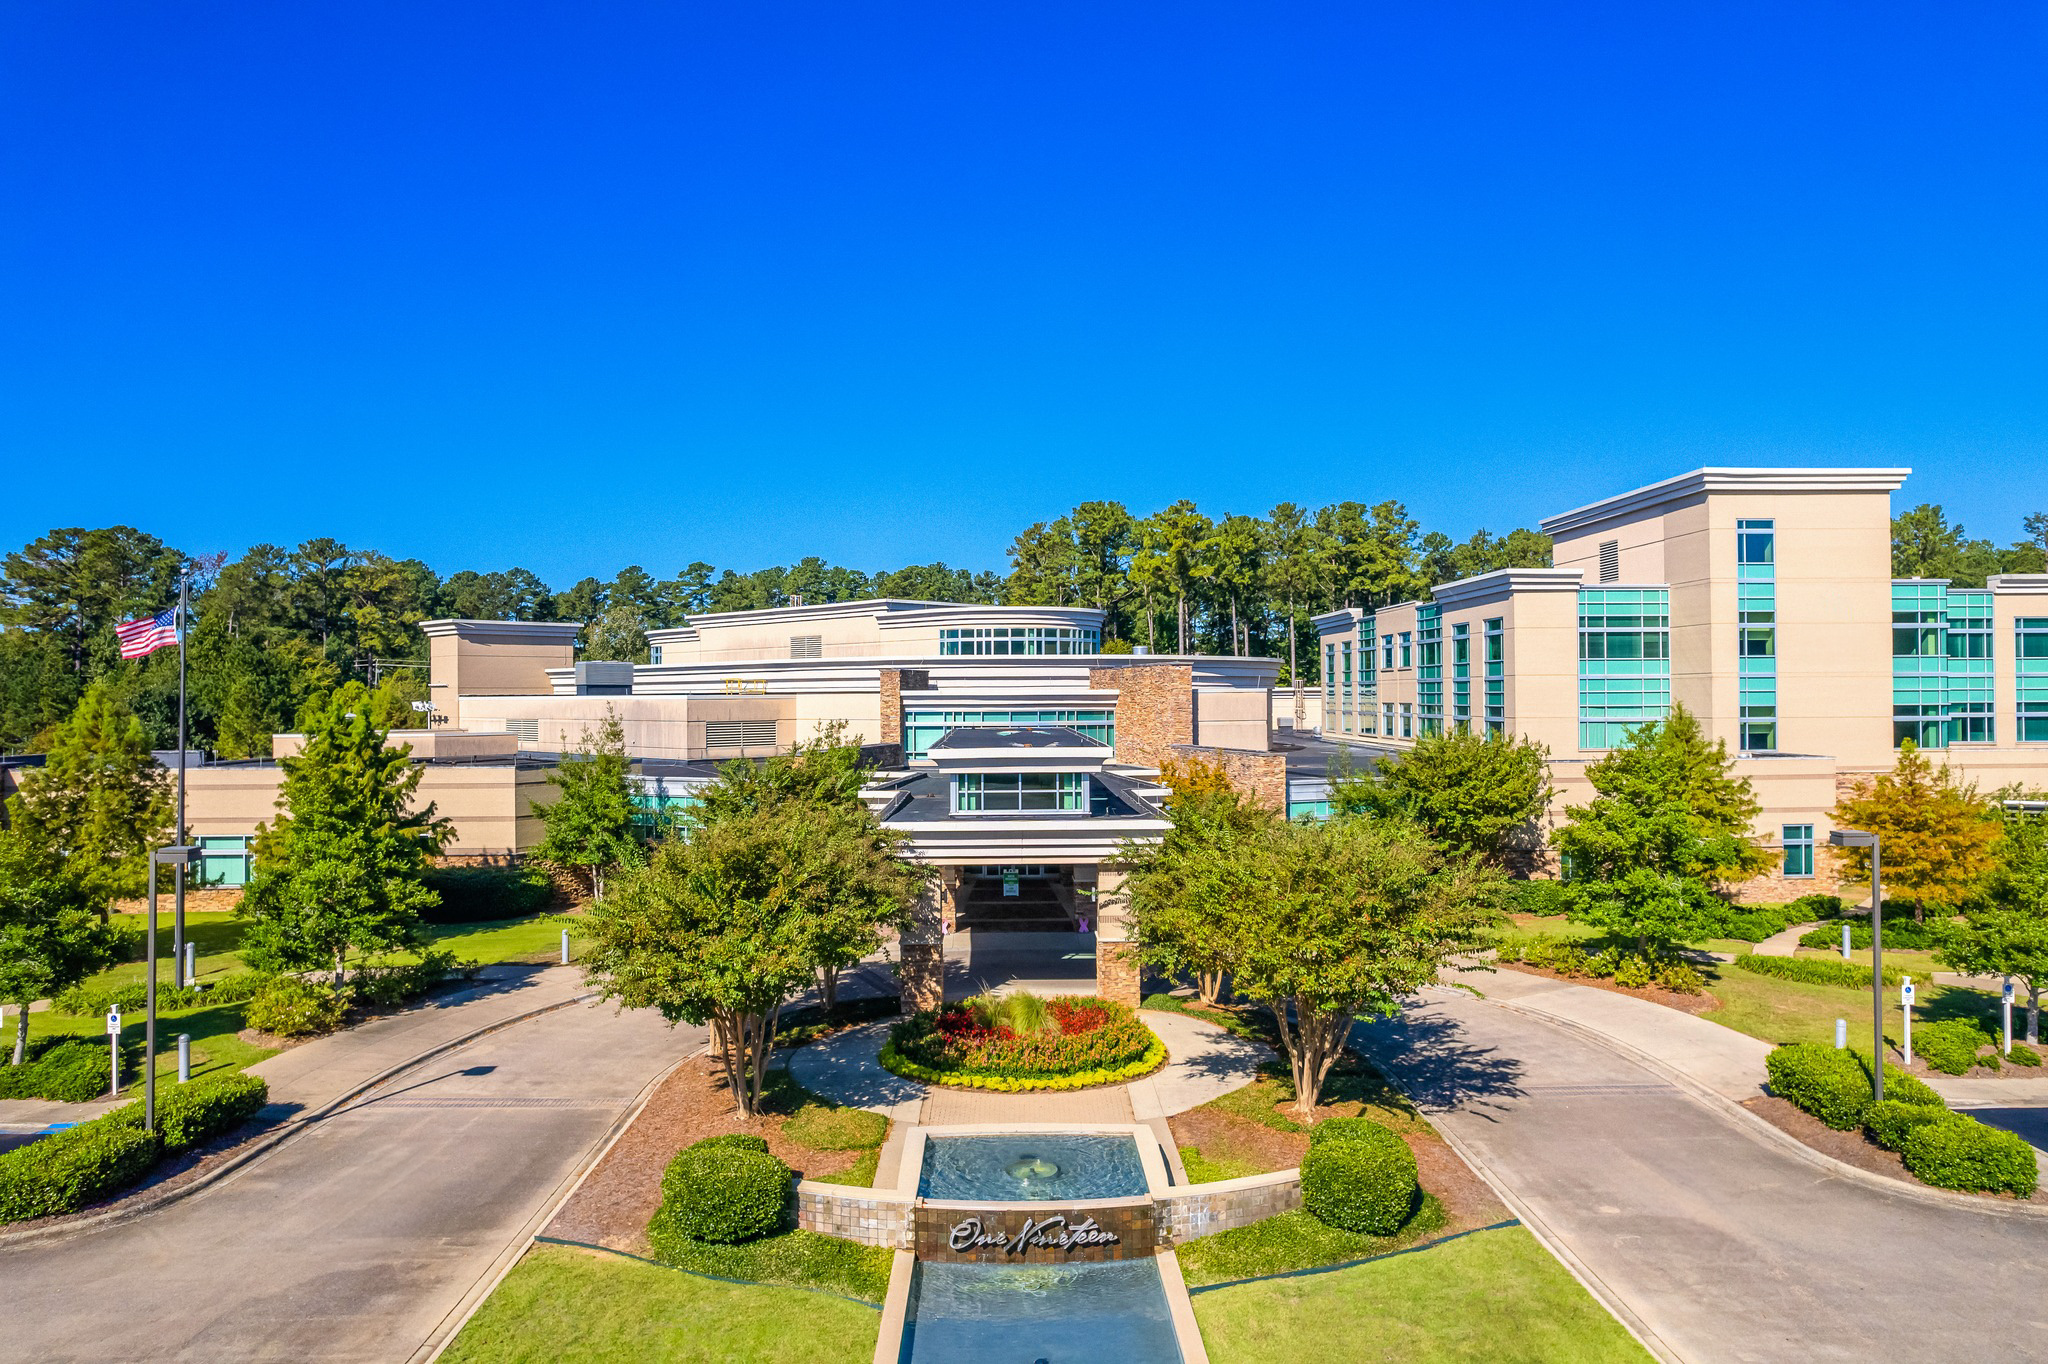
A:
(1816, 907)
(287, 1006)
(1546, 898)
(67, 1070)
(1635, 973)
(1905, 934)
(193, 1114)
(476, 894)
(1962, 1153)
(721, 1191)
(1949, 1046)
(1889, 1121)
(2023, 1055)
(1681, 977)
(65, 1172)
(1827, 1083)
(738, 1141)
(1085, 1037)
(1754, 923)
(386, 987)
(1359, 1178)
(1816, 971)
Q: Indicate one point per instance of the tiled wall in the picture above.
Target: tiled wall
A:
(854, 1214)
(1205, 1209)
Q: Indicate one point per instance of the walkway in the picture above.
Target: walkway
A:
(357, 1239)
(1785, 944)
(1717, 1243)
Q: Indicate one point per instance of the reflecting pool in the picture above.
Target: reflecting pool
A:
(1039, 1314)
(1050, 1167)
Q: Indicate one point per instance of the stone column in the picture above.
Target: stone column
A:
(1116, 956)
(921, 951)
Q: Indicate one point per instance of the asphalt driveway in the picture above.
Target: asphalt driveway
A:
(1722, 1246)
(356, 1239)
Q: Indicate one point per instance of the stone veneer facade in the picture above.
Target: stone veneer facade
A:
(1262, 776)
(1205, 1209)
(895, 682)
(1155, 708)
(872, 1217)
(1117, 971)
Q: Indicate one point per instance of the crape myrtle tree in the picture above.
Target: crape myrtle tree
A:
(2004, 930)
(589, 825)
(725, 924)
(1185, 894)
(1326, 923)
(338, 870)
(1671, 823)
(1935, 831)
(53, 933)
(1472, 794)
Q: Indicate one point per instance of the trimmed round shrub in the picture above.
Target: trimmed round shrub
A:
(290, 1007)
(1962, 1153)
(1360, 1178)
(1819, 1080)
(722, 1191)
(1889, 1122)
(738, 1141)
(72, 1169)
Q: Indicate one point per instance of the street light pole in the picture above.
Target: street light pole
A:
(179, 856)
(1857, 838)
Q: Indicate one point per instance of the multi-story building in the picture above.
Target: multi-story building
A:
(1760, 599)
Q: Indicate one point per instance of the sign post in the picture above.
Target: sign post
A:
(1859, 838)
(1906, 1008)
(114, 1046)
(2006, 1000)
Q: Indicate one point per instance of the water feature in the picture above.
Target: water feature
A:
(1047, 1167)
(1039, 1314)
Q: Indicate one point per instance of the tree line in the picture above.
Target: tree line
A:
(277, 630)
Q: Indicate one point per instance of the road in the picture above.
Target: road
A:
(354, 1240)
(1722, 1245)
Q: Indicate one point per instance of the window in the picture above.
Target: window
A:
(2030, 666)
(1496, 680)
(1387, 719)
(739, 734)
(1407, 720)
(1407, 650)
(1920, 664)
(923, 728)
(1624, 662)
(1798, 840)
(1429, 670)
(806, 646)
(654, 653)
(1347, 717)
(1610, 561)
(1461, 678)
(1387, 645)
(1756, 636)
(1019, 792)
(224, 861)
(1021, 639)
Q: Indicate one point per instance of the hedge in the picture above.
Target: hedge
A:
(721, 1191)
(476, 894)
(190, 1115)
(1816, 971)
(67, 1070)
(1359, 1177)
(1889, 1122)
(68, 1171)
(1834, 1086)
(290, 1007)
(1905, 934)
(1962, 1153)
(90, 1001)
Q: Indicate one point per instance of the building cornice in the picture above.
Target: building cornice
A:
(2020, 584)
(503, 631)
(1507, 582)
(1700, 482)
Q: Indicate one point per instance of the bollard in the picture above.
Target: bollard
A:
(191, 964)
(184, 1058)
(1845, 942)
(1841, 1034)
(565, 947)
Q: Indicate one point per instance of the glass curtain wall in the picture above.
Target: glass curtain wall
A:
(1461, 678)
(1624, 662)
(1757, 632)
(923, 728)
(1496, 676)
(2030, 666)
(1429, 671)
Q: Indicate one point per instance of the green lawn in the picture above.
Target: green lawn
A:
(563, 1306)
(536, 938)
(1791, 1011)
(1495, 1296)
(1294, 1240)
(1202, 1170)
(217, 933)
(216, 1048)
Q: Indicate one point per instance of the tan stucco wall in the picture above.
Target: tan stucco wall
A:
(655, 726)
(490, 806)
(1233, 717)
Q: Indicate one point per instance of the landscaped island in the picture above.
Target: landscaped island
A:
(1023, 1042)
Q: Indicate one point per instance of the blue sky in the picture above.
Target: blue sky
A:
(573, 286)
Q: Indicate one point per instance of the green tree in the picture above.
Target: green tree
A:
(1935, 831)
(338, 870)
(1472, 794)
(1293, 551)
(100, 802)
(1671, 822)
(724, 926)
(53, 933)
(824, 770)
(1924, 544)
(590, 824)
(1341, 920)
(1185, 894)
(620, 633)
(73, 584)
(2004, 931)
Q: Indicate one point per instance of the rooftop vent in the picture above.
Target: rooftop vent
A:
(1610, 561)
(806, 646)
(604, 679)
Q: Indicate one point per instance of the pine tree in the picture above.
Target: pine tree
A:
(590, 824)
(338, 870)
(1935, 832)
(100, 802)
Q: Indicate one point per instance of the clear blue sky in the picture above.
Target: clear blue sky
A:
(577, 285)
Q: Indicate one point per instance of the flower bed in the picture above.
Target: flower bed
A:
(1071, 1042)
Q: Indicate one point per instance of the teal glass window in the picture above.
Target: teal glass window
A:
(1496, 680)
(1798, 840)
(1021, 639)
(1624, 662)
(1756, 637)
(1461, 678)
(224, 860)
(1019, 792)
(923, 728)
(2030, 669)
(1407, 649)
(1429, 670)
(1387, 646)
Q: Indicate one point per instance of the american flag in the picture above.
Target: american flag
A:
(144, 635)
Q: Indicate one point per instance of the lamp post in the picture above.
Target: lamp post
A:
(179, 856)
(1857, 838)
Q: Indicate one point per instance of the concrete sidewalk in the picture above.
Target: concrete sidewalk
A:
(1720, 1059)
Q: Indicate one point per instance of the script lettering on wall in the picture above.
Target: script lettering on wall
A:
(1051, 1233)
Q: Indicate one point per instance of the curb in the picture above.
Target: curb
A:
(144, 1204)
(1759, 1129)
(450, 1326)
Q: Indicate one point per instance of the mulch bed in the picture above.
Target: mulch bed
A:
(1851, 1148)
(1703, 1002)
(612, 1207)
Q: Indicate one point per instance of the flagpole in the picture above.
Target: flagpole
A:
(178, 911)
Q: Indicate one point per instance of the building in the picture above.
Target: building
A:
(1760, 599)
